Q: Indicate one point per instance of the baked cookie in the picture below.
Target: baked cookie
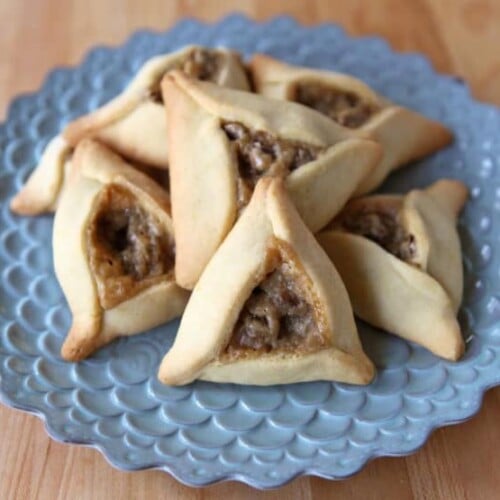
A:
(221, 141)
(404, 134)
(113, 251)
(269, 308)
(400, 259)
(42, 189)
(133, 124)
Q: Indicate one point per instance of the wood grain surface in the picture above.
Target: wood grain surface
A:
(460, 37)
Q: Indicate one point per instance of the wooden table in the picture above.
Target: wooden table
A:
(460, 37)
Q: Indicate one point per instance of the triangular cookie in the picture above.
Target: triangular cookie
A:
(221, 141)
(269, 308)
(404, 134)
(133, 124)
(400, 259)
(113, 251)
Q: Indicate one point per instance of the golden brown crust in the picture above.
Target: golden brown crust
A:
(95, 167)
(404, 134)
(204, 169)
(237, 267)
(203, 191)
(415, 299)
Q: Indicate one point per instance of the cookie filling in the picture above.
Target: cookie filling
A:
(129, 249)
(261, 154)
(277, 315)
(200, 63)
(346, 108)
(384, 229)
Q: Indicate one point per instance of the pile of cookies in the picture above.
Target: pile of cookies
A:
(237, 196)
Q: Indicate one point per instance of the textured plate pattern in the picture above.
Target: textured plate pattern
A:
(262, 436)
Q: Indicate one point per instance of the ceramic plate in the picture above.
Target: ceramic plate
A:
(205, 432)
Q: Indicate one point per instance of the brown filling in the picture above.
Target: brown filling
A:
(261, 154)
(346, 108)
(201, 64)
(129, 249)
(384, 229)
(277, 316)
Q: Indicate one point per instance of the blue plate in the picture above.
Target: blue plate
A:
(205, 432)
